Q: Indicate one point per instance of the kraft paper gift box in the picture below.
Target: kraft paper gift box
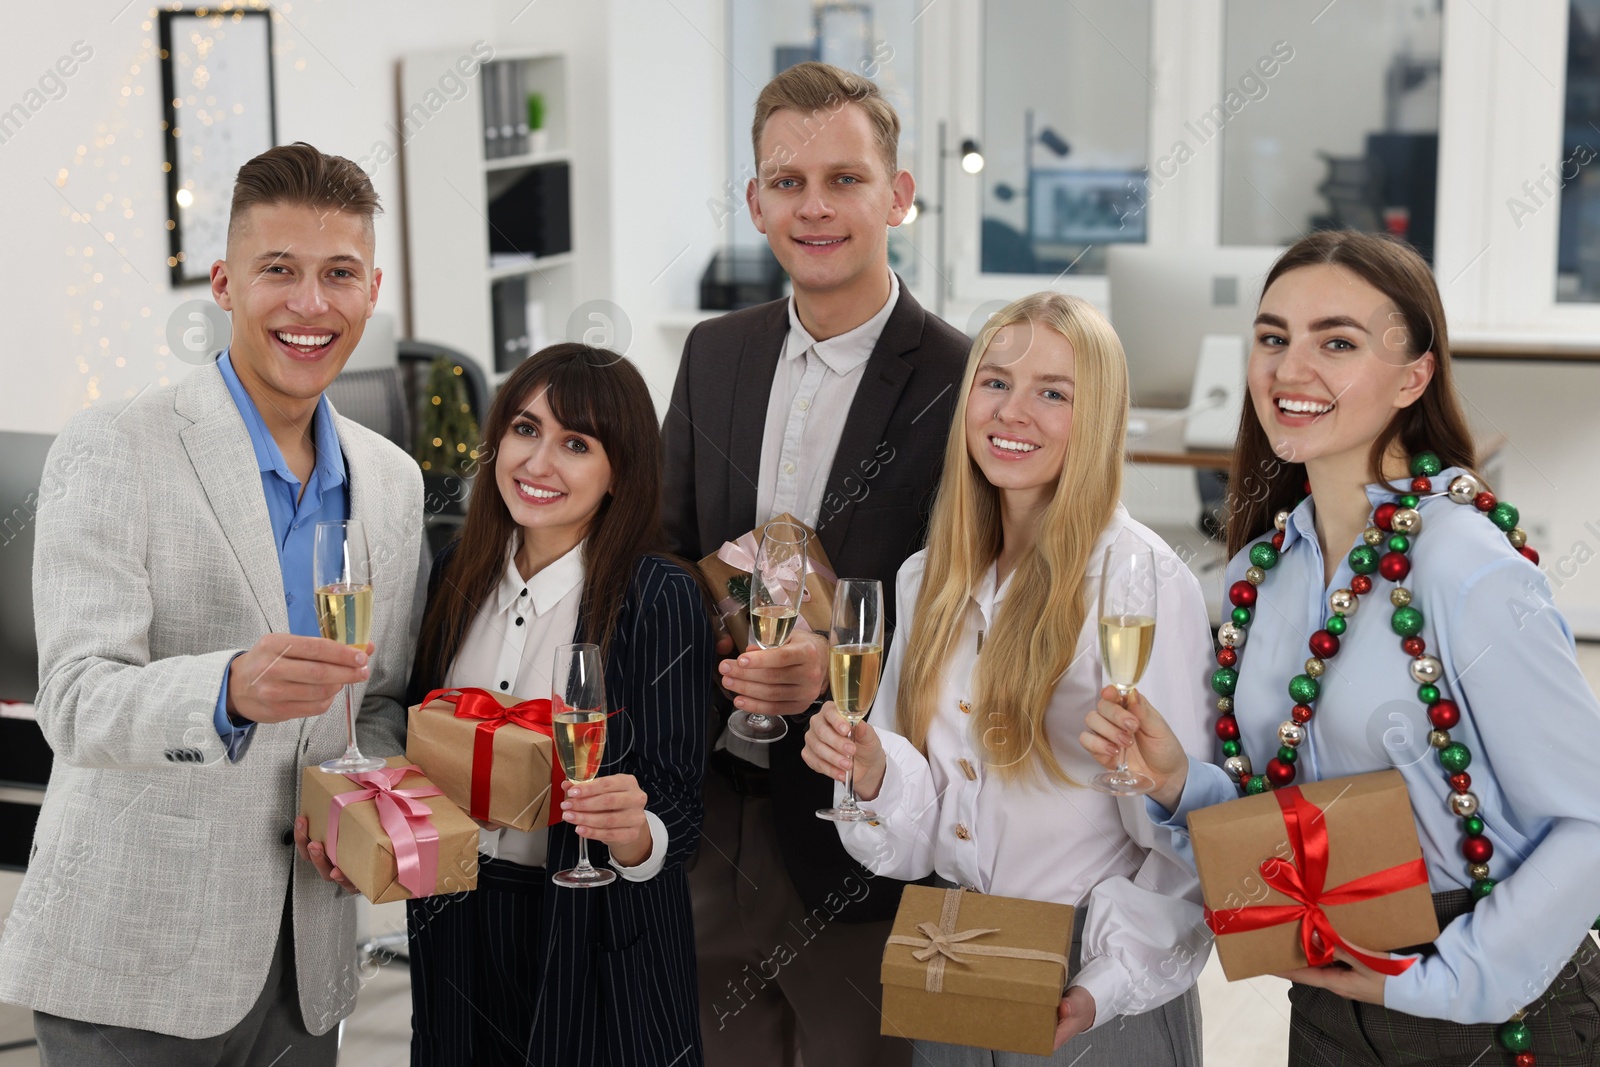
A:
(490, 753)
(973, 969)
(1337, 858)
(727, 572)
(391, 832)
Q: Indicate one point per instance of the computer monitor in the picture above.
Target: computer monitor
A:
(1164, 300)
(22, 458)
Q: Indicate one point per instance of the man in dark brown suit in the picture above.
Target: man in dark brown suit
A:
(834, 406)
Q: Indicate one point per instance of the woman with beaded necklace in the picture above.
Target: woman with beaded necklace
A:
(1361, 537)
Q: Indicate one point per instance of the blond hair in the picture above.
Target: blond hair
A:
(1035, 635)
(818, 91)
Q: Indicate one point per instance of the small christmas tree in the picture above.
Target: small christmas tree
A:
(447, 440)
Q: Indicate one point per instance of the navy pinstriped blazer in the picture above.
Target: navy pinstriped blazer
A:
(619, 984)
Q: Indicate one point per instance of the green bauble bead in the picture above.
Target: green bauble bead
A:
(1504, 516)
(1455, 757)
(1363, 559)
(1287, 753)
(1303, 688)
(1407, 622)
(1264, 556)
(1231, 748)
(1335, 625)
(1256, 784)
(1428, 694)
(1514, 1036)
(1409, 500)
(1472, 826)
(1224, 680)
(1399, 543)
(1241, 616)
(1425, 465)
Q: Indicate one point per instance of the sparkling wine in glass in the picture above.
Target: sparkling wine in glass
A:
(777, 583)
(578, 720)
(1127, 634)
(342, 577)
(855, 663)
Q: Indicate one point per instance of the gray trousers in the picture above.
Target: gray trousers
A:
(272, 1033)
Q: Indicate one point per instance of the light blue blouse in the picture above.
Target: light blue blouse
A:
(1527, 715)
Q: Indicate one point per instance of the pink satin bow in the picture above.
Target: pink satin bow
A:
(403, 817)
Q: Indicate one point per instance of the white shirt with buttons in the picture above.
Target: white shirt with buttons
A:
(511, 648)
(1144, 939)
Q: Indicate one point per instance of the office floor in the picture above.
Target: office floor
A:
(1244, 1022)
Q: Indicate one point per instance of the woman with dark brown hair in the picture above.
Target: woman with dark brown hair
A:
(1353, 486)
(562, 543)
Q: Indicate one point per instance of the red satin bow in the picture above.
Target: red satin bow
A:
(481, 704)
(1302, 881)
(403, 818)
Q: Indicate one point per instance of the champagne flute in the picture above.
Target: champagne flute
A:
(578, 718)
(855, 662)
(777, 582)
(342, 577)
(1127, 634)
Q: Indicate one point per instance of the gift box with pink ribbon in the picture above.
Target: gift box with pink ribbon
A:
(727, 572)
(490, 753)
(393, 833)
(1292, 875)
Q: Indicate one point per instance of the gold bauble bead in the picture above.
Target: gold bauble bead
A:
(1225, 705)
(1291, 733)
(1342, 601)
(1281, 520)
(1315, 667)
(1236, 766)
(1400, 596)
(1518, 537)
(1373, 536)
(1438, 738)
(1464, 487)
(1255, 575)
(1464, 804)
(1426, 670)
(1479, 871)
(1407, 521)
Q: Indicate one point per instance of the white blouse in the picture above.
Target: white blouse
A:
(1144, 938)
(510, 648)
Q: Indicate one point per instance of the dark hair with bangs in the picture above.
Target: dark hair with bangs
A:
(593, 392)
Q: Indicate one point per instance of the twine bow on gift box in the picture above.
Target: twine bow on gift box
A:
(403, 818)
(940, 943)
(481, 704)
(1302, 881)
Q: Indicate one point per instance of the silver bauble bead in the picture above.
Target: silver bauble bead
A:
(1464, 488)
(1374, 536)
(1463, 804)
(1518, 537)
(1406, 521)
(1315, 667)
(1291, 733)
(1231, 636)
(1400, 596)
(1478, 870)
(1426, 670)
(1342, 601)
(1236, 766)
(1225, 705)
(1281, 520)
(1438, 738)
(1255, 575)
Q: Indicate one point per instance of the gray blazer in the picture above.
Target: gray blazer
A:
(156, 885)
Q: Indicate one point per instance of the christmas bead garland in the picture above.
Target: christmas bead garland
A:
(1384, 551)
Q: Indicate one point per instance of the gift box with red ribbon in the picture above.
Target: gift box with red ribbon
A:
(1290, 875)
(391, 832)
(490, 753)
(727, 572)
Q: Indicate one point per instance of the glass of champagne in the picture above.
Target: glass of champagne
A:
(342, 575)
(855, 662)
(578, 721)
(1127, 634)
(777, 582)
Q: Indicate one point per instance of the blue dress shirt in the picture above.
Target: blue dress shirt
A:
(1527, 715)
(294, 521)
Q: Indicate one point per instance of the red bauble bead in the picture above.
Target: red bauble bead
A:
(1461, 782)
(1361, 584)
(1414, 646)
(1444, 715)
(1302, 713)
(1306, 487)
(1324, 645)
(1483, 501)
(1529, 554)
(1420, 484)
(1243, 594)
(1394, 566)
(1279, 773)
(1477, 849)
(1227, 728)
(1277, 540)
(1227, 657)
(1524, 1059)
(1383, 515)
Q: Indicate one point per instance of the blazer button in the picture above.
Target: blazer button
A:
(170, 755)
(961, 832)
(288, 836)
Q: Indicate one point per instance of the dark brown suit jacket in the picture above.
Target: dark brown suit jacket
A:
(874, 511)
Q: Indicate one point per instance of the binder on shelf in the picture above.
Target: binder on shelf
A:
(534, 214)
(511, 343)
(519, 106)
(491, 109)
(510, 75)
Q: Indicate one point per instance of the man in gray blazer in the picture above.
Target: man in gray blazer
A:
(182, 681)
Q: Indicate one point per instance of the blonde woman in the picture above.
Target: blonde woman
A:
(972, 760)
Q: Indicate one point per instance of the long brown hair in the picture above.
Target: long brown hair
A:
(1259, 483)
(594, 392)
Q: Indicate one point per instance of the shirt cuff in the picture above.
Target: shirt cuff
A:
(1106, 980)
(1198, 792)
(235, 739)
(651, 865)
